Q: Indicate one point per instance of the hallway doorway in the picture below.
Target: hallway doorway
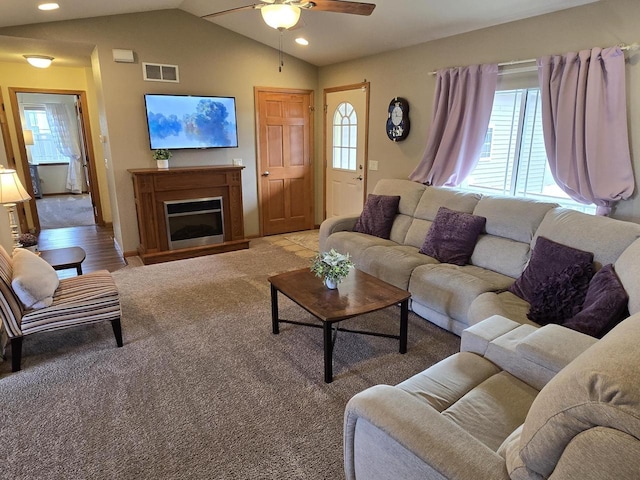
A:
(58, 160)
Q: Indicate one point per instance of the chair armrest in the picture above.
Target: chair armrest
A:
(331, 225)
(554, 346)
(405, 422)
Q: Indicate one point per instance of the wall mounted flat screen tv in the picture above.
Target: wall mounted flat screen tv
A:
(186, 121)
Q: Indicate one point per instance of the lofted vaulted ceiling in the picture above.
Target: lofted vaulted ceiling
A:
(332, 37)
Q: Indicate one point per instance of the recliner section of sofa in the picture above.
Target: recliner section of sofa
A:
(518, 402)
(455, 297)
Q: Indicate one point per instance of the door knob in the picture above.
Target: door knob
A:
(265, 173)
(359, 177)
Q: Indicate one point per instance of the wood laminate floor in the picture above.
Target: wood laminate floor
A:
(102, 253)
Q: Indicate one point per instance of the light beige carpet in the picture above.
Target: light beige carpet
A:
(201, 389)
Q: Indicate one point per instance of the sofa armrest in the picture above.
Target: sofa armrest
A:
(336, 224)
(536, 354)
(477, 337)
(554, 346)
(400, 431)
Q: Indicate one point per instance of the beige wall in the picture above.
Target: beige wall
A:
(22, 75)
(212, 61)
(405, 73)
(215, 61)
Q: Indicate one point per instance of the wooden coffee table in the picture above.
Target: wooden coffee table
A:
(358, 294)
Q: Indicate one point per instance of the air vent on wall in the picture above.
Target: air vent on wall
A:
(156, 72)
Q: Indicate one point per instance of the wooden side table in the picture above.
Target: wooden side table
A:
(63, 258)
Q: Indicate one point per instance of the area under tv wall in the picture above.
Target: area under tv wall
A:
(188, 121)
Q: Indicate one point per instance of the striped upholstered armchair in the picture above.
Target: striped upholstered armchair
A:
(76, 301)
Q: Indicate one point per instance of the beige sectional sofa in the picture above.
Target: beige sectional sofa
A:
(455, 297)
(519, 401)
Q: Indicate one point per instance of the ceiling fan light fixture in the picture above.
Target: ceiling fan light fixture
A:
(39, 61)
(280, 16)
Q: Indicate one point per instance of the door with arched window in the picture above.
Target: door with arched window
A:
(346, 120)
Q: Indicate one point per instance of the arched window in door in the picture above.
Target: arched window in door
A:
(345, 137)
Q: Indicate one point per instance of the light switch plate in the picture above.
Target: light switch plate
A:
(373, 165)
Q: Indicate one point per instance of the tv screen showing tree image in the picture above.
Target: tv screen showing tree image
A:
(184, 121)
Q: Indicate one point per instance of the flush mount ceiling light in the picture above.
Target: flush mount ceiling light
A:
(48, 6)
(40, 61)
(302, 41)
(280, 16)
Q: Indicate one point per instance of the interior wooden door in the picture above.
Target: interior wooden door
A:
(284, 160)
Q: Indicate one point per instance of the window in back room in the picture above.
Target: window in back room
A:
(44, 148)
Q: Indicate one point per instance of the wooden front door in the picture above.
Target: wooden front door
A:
(285, 186)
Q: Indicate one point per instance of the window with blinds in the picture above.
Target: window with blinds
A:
(513, 160)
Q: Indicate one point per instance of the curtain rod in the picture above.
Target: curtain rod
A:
(623, 47)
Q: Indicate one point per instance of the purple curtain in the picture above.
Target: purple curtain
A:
(584, 118)
(461, 110)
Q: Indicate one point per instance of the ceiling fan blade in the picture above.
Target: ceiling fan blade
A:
(338, 6)
(231, 10)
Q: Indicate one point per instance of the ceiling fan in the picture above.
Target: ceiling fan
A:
(284, 14)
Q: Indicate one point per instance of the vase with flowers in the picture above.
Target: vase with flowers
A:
(28, 241)
(332, 266)
(162, 156)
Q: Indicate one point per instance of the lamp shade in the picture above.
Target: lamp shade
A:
(11, 190)
(40, 61)
(280, 16)
(28, 137)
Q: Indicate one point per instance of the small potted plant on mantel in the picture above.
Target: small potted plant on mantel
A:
(162, 156)
(28, 241)
(332, 266)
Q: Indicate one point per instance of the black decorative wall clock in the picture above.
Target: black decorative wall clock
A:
(398, 120)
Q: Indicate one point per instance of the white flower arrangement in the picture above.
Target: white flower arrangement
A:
(162, 154)
(332, 265)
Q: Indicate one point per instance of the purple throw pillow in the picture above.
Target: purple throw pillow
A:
(452, 236)
(561, 296)
(378, 215)
(547, 259)
(604, 306)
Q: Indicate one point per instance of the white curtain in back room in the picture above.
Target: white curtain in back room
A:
(65, 135)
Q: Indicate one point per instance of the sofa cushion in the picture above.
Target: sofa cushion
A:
(377, 215)
(34, 280)
(561, 295)
(513, 218)
(447, 381)
(548, 258)
(606, 237)
(394, 264)
(452, 236)
(604, 307)
(504, 303)
(501, 255)
(450, 289)
(599, 388)
(354, 244)
(494, 409)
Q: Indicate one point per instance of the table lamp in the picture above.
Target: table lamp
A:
(12, 192)
(28, 142)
